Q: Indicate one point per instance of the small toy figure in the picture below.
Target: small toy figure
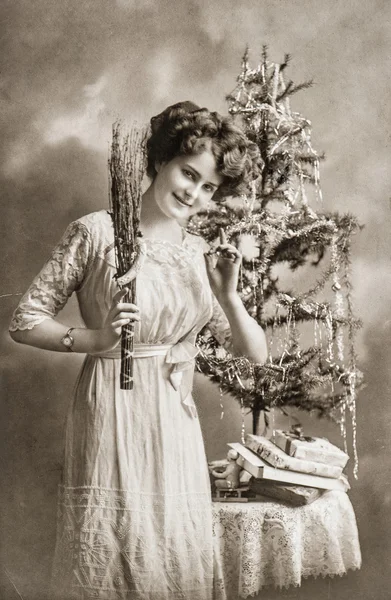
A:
(229, 478)
(231, 481)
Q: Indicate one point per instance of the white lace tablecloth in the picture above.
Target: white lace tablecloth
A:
(269, 543)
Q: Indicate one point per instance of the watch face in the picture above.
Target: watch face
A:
(67, 340)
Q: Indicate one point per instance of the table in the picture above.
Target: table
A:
(266, 542)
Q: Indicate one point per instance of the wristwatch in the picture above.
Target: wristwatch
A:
(68, 340)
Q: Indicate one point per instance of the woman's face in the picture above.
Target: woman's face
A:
(184, 185)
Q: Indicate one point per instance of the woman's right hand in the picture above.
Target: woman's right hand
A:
(120, 314)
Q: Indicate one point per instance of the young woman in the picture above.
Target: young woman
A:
(134, 506)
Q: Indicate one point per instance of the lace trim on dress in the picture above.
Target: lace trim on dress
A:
(190, 244)
(63, 274)
(118, 544)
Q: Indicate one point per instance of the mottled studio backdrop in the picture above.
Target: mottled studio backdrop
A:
(69, 69)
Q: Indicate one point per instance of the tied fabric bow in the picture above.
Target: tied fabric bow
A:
(182, 356)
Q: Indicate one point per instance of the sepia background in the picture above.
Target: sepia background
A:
(69, 69)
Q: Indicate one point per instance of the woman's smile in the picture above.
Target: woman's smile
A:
(182, 202)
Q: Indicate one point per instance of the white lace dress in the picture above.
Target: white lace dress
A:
(134, 516)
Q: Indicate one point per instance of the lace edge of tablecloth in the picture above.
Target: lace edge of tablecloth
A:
(270, 586)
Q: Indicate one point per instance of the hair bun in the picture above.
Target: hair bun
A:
(173, 111)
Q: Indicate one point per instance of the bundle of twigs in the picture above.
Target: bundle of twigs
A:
(126, 168)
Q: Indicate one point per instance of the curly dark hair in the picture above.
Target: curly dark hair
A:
(185, 128)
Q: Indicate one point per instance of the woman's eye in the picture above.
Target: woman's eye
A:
(188, 173)
(209, 189)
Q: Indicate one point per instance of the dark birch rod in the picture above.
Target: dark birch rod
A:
(126, 168)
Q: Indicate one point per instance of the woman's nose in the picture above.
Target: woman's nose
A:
(192, 191)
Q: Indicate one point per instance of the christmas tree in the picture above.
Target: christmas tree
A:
(281, 216)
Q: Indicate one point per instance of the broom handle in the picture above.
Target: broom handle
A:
(127, 345)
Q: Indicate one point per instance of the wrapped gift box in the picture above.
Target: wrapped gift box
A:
(310, 448)
(296, 495)
(276, 457)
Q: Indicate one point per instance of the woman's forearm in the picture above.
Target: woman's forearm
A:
(248, 338)
(47, 335)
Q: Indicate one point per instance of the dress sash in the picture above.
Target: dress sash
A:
(180, 355)
(139, 351)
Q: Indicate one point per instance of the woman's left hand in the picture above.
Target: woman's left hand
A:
(223, 274)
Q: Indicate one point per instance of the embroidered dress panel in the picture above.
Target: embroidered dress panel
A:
(134, 512)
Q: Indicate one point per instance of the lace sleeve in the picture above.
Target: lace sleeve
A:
(58, 279)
